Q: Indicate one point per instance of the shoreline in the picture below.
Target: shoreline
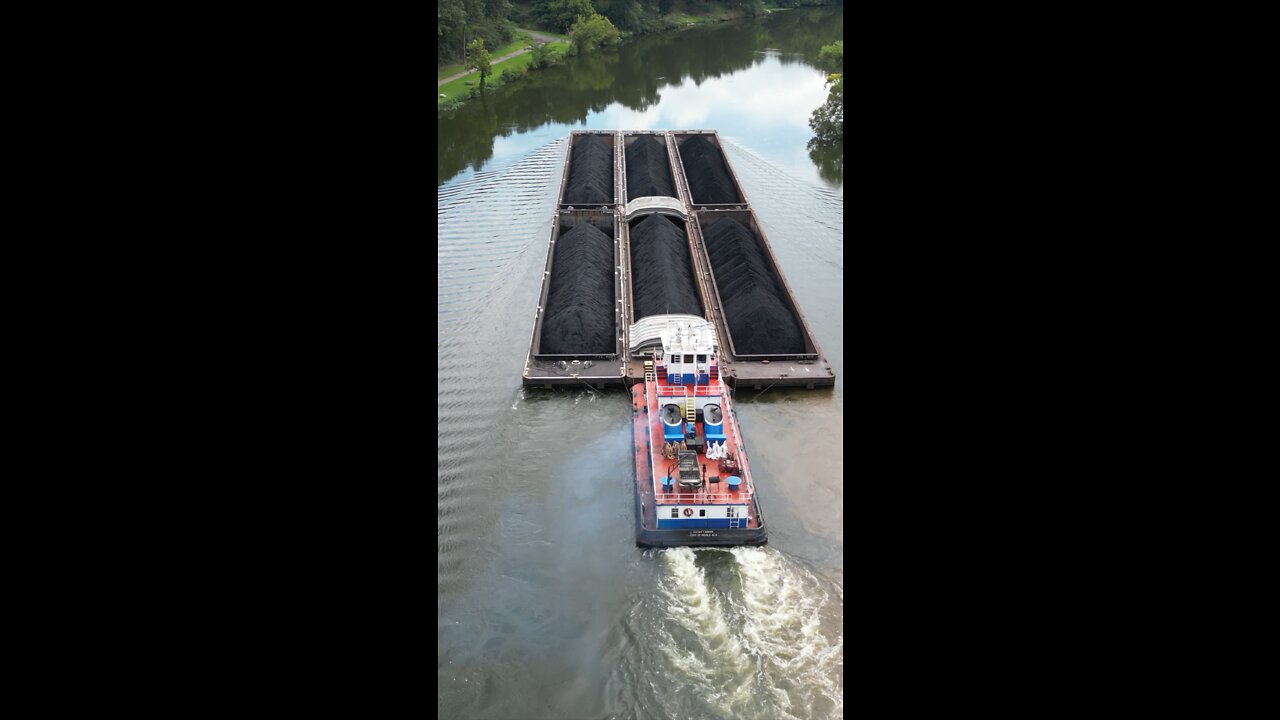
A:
(458, 95)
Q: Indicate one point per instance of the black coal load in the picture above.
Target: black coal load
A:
(580, 319)
(648, 172)
(754, 300)
(590, 172)
(709, 181)
(661, 274)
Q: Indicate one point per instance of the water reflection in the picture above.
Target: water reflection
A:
(830, 162)
(754, 79)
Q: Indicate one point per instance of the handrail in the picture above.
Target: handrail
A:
(683, 391)
(666, 498)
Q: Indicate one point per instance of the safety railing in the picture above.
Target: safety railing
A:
(673, 498)
(683, 390)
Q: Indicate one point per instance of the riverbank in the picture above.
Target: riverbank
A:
(455, 85)
(454, 82)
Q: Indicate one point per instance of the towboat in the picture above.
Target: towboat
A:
(693, 483)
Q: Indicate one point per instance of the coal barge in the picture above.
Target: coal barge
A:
(614, 182)
(658, 275)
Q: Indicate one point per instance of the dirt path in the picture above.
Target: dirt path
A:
(536, 35)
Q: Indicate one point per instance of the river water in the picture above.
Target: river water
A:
(546, 609)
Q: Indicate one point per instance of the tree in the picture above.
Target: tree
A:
(831, 57)
(560, 14)
(624, 14)
(541, 55)
(479, 59)
(593, 31)
(752, 8)
(828, 120)
(458, 22)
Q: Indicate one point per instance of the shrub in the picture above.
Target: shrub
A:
(592, 32)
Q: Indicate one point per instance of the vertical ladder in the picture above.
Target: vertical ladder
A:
(648, 371)
(733, 522)
(690, 412)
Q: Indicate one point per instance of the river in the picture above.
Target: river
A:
(546, 609)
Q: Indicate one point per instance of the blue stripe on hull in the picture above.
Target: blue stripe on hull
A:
(698, 523)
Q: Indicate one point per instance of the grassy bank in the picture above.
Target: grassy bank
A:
(705, 13)
(461, 88)
(681, 16)
(522, 40)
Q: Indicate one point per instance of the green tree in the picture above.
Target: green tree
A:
(593, 31)
(541, 55)
(831, 57)
(458, 22)
(750, 7)
(560, 14)
(479, 59)
(624, 14)
(828, 120)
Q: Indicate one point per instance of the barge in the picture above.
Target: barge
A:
(736, 276)
(659, 276)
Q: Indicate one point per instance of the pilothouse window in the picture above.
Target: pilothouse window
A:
(688, 358)
(702, 358)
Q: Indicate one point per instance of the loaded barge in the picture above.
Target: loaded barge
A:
(765, 340)
(659, 276)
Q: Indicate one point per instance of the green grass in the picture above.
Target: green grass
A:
(522, 40)
(460, 88)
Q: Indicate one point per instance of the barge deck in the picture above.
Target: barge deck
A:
(736, 277)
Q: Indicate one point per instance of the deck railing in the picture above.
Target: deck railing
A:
(683, 391)
(672, 498)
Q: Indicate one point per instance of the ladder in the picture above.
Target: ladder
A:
(733, 522)
(648, 371)
(690, 412)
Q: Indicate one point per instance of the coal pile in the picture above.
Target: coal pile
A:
(580, 319)
(590, 172)
(709, 181)
(661, 274)
(648, 172)
(754, 299)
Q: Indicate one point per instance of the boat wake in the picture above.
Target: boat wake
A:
(486, 226)
(740, 633)
(786, 617)
(798, 215)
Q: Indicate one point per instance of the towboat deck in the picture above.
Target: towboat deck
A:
(647, 403)
(694, 485)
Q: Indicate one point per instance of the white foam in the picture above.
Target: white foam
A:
(783, 607)
(760, 651)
